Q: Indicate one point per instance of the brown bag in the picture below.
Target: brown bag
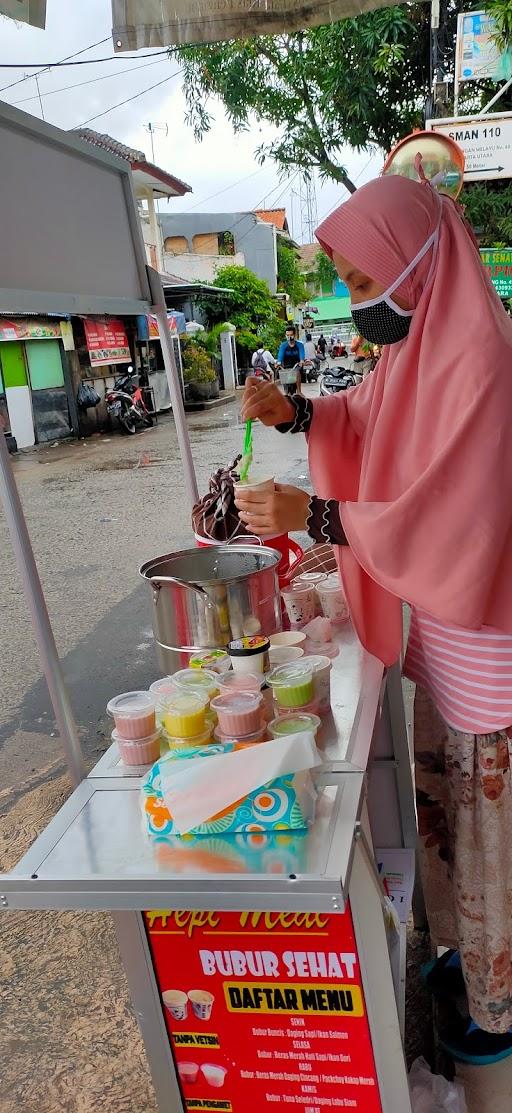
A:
(215, 516)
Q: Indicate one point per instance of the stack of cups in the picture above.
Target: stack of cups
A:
(240, 716)
(294, 687)
(332, 600)
(136, 732)
(185, 721)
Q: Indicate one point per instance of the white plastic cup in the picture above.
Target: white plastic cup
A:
(176, 1003)
(300, 603)
(283, 654)
(288, 637)
(255, 485)
(202, 1003)
(322, 680)
(214, 1074)
(332, 600)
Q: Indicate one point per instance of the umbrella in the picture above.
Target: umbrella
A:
(143, 23)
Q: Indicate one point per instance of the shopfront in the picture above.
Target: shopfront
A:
(33, 392)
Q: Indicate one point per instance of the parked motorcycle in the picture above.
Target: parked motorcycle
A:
(126, 403)
(338, 378)
(310, 370)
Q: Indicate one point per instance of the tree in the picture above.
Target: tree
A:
(248, 304)
(363, 82)
(488, 208)
(289, 277)
(325, 271)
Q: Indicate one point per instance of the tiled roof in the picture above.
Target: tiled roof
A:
(137, 159)
(273, 216)
(307, 256)
(107, 143)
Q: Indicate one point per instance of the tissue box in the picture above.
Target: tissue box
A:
(284, 804)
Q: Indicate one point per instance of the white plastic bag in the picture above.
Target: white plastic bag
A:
(431, 1093)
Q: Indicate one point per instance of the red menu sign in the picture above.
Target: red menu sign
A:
(265, 1009)
(106, 341)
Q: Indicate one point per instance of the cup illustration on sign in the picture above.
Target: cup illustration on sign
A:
(213, 1074)
(202, 1003)
(188, 1072)
(176, 1002)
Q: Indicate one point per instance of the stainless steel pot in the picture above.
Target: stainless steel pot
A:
(203, 598)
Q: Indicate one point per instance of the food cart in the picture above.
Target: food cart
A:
(263, 969)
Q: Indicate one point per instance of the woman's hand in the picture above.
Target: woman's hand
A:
(265, 401)
(269, 513)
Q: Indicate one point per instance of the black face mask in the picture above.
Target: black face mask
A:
(380, 324)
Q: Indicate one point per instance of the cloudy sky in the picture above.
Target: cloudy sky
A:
(222, 170)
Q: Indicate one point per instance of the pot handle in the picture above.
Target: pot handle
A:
(157, 581)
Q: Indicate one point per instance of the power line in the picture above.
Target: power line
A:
(356, 179)
(226, 188)
(82, 62)
(128, 99)
(63, 61)
(90, 81)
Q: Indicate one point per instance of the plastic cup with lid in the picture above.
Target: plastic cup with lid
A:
(300, 602)
(249, 654)
(197, 680)
(332, 600)
(241, 682)
(239, 713)
(133, 714)
(293, 685)
(215, 660)
(321, 666)
(294, 722)
(283, 654)
(138, 751)
(184, 714)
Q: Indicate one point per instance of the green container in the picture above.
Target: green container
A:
(292, 684)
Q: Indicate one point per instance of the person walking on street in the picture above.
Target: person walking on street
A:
(413, 477)
(322, 345)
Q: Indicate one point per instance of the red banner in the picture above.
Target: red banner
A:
(28, 329)
(265, 1009)
(106, 341)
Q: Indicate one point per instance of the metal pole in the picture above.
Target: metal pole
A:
(496, 96)
(173, 379)
(40, 620)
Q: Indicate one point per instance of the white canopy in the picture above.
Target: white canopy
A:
(143, 23)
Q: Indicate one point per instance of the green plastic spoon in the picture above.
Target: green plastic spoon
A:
(246, 460)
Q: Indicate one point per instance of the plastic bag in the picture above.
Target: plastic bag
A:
(215, 516)
(431, 1093)
(87, 396)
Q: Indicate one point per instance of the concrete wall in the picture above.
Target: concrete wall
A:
(200, 268)
(254, 239)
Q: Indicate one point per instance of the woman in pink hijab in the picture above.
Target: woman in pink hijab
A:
(413, 478)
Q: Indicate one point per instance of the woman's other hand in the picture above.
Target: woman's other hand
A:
(269, 513)
(264, 401)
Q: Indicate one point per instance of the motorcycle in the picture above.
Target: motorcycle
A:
(310, 370)
(338, 378)
(125, 401)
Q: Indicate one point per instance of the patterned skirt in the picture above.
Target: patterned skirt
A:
(464, 798)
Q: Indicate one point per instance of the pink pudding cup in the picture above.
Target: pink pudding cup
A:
(239, 713)
(133, 714)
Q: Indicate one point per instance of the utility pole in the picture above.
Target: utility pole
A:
(152, 128)
(308, 208)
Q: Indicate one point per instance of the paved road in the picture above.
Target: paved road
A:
(96, 510)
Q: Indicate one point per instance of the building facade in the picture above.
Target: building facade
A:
(222, 238)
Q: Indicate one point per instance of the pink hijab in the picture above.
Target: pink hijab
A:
(420, 455)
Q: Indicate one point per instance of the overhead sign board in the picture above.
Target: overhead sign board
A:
(478, 56)
(486, 142)
(138, 23)
(26, 11)
(71, 242)
(498, 264)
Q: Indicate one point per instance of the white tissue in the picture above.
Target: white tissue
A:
(196, 789)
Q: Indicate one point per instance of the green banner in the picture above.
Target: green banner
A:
(498, 264)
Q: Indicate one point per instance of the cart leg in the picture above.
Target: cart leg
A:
(43, 632)
(136, 959)
(379, 992)
(171, 371)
